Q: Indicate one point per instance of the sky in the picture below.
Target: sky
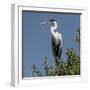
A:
(37, 38)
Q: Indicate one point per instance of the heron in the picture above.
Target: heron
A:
(56, 39)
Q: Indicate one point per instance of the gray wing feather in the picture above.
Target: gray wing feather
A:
(56, 48)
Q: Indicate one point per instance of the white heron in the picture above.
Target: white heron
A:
(56, 39)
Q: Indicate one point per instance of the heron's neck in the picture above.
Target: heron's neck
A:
(53, 30)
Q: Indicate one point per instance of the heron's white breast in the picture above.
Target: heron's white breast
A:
(57, 36)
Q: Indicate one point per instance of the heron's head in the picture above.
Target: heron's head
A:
(51, 23)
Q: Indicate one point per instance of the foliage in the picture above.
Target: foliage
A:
(78, 37)
(71, 67)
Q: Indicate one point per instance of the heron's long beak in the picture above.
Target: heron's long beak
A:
(44, 23)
